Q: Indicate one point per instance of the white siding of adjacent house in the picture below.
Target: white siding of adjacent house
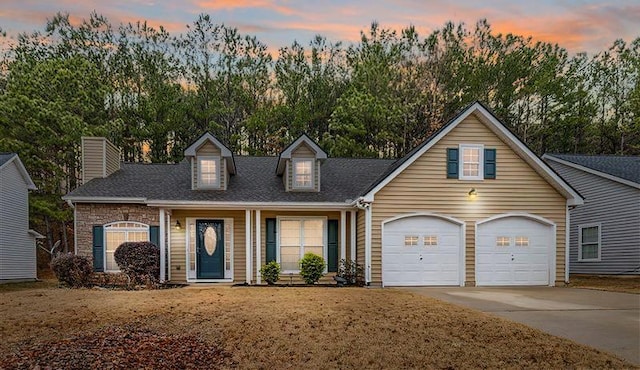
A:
(17, 248)
(617, 208)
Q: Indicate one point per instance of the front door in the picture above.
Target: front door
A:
(210, 249)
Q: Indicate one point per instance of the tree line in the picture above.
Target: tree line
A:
(152, 93)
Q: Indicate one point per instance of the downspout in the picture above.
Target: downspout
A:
(362, 204)
(567, 232)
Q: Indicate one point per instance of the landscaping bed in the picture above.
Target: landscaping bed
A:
(277, 328)
(623, 284)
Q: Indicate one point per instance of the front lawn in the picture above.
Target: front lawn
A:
(274, 328)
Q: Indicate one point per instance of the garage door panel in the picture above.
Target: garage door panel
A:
(422, 264)
(524, 261)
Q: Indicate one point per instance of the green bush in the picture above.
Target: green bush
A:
(74, 271)
(352, 272)
(311, 268)
(140, 261)
(270, 272)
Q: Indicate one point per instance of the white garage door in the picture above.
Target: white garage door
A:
(421, 250)
(514, 250)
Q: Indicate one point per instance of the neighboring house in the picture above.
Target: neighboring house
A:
(472, 205)
(605, 231)
(17, 241)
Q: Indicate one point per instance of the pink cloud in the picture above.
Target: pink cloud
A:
(240, 4)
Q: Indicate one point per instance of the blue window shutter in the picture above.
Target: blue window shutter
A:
(154, 235)
(98, 248)
(489, 163)
(332, 263)
(270, 225)
(452, 163)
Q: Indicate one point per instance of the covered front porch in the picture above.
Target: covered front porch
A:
(218, 244)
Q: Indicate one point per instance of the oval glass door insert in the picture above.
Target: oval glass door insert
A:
(210, 240)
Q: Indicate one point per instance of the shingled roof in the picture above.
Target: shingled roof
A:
(5, 157)
(343, 180)
(624, 167)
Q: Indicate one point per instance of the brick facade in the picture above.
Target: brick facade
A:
(89, 215)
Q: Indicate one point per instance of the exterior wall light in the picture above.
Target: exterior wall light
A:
(178, 226)
(473, 193)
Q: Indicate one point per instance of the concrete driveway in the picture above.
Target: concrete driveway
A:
(604, 320)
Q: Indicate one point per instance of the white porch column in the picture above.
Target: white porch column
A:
(367, 243)
(163, 256)
(258, 247)
(343, 235)
(247, 232)
(168, 241)
(353, 235)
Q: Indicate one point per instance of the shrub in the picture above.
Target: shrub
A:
(352, 272)
(270, 272)
(311, 268)
(74, 271)
(140, 261)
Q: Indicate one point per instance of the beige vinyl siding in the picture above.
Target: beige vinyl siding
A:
(209, 150)
(360, 238)
(112, 159)
(332, 215)
(92, 158)
(178, 239)
(424, 187)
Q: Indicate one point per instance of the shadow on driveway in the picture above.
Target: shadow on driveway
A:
(604, 320)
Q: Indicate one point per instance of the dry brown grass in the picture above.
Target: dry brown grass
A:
(300, 327)
(623, 284)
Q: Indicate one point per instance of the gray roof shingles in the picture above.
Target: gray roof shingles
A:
(624, 167)
(342, 179)
(5, 157)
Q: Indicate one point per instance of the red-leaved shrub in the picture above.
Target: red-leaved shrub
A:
(140, 261)
(74, 271)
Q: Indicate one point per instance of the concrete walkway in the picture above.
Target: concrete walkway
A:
(604, 320)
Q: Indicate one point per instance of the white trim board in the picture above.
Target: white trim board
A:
(591, 171)
(511, 140)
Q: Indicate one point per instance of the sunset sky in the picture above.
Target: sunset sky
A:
(586, 25)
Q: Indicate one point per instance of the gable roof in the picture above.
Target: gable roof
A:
(207, 137)
(623, 169)
(6, 158)
(491, 121)
(343, 180)
(286, 153)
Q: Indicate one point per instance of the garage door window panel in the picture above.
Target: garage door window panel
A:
(522, 241)
(430, 240)
(410, 241)
(503, 241)
(589, 243)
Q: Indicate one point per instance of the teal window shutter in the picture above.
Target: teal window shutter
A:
(332, 263)
(154, 235)
(271, 239)
(489, 163)
(452, 163)
(98, 248)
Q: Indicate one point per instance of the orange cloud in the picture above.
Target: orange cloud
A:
(237, 4)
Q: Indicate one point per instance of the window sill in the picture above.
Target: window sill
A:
(590, 260)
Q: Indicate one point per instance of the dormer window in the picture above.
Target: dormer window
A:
(303, 173)
(208, 172)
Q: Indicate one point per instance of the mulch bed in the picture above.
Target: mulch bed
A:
(119, 347)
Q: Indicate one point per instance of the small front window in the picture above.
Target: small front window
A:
(118, 233)
(299, 237)
(209, 172)
(410, 241)
(589, 243)
(503, 241)
(303, 173)
(471, 162)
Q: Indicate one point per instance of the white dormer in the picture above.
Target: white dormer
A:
(211, 163)
(299, 165)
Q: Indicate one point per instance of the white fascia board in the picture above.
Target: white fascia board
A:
(369, 197)
(104, 200)
(22, 170)
(572, 196)
(36, 234)
(244, 205)
(592, 171)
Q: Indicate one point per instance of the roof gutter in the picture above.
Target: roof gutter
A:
(244, 205)
(104, 199)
